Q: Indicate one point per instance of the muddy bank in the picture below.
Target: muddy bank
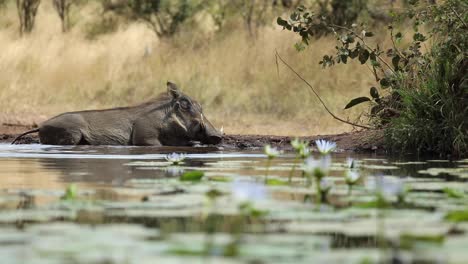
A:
(358, 141)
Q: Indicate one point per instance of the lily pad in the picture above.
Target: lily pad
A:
(193, 176)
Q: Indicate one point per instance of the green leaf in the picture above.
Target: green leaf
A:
(398, 37)
(385, 82)
(364, 56)
(294, 16)
(419, 37)
(282, 22)
(374, 93)
(353, 54)
(299, 46)
(71, 192)
(193, 176)
(357, 101)
(344, 58)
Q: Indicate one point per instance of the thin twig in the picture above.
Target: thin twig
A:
(318, 96)
(459, 17)
(365, 44)
(395, 46)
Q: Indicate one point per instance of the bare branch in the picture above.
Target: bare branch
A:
(318, 96)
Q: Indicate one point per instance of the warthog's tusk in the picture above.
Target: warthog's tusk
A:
(177, 120)
(222, 130)
(202, 120)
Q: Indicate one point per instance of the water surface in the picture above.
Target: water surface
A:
(134, 194)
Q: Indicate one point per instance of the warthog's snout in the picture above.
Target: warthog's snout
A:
(212, 135)
(214, 139)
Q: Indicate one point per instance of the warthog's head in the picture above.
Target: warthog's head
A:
(187, 115)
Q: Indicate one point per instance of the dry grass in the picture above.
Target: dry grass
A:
(234, 77)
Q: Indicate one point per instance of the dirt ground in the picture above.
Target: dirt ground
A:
(358, 141)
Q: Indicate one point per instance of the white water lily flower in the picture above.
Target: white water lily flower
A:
(271, 152)
(325, 184)
(318, 167)
(325, 146)
(298, 144)
(174, 170)
(175, 158)
(244, 191)
(352, 177)
(302, 147)
(387, 186)
(304, 152)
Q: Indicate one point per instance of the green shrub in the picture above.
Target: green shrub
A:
(423, 95)
(434, 115)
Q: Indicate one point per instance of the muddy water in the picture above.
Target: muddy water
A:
(129, 205)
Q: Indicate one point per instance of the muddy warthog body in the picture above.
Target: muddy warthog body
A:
(172, 119)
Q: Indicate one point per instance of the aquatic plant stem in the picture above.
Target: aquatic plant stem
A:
(381, 228)
(267, 170)
(350, 192)
(318, 190)
(318, 96)
(293, 169)
(210, 226)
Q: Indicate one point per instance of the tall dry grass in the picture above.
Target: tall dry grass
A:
(233, 76)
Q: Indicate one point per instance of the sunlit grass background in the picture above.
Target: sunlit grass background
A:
(233, 75)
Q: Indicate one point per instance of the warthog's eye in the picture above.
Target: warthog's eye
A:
(185, 104)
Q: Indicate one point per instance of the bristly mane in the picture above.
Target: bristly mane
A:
(162, 98)
(162, 101)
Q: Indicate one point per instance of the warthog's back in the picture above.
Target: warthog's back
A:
(97, 127)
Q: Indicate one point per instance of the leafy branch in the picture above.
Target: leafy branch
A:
(388, 67)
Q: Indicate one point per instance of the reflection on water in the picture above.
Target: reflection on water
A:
(39, 166)
(134, 185)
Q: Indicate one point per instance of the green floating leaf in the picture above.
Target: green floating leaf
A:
(453, 193)
(185, 252)
(275, 182)
(220, 179)
(192, 176)
(357, 101)
(213, 193)
(457, 216)
(409, 241)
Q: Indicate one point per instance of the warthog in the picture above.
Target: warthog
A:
(172, 119)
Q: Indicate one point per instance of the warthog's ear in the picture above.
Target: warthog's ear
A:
(173, 90)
